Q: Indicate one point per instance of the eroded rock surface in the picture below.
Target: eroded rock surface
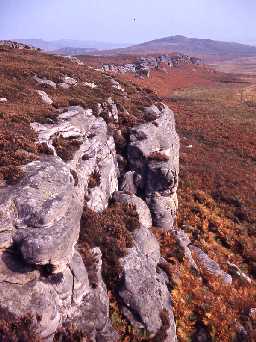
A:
(144, 288)
(40, 224)
(153, 153)
(145, 291)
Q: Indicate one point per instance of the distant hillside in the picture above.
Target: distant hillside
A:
(204, 48)
(69, 43)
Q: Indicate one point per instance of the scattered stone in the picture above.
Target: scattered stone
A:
(235, 271)
(91, 85)
(45, 97)
(64, 85)
(74, 60)
(45, 82)
(116, 85)
(69, 80)
(209, 266)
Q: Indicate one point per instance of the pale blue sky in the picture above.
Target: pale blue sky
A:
(112, 20)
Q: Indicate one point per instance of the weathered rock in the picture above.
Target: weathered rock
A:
(45, 82)
(163, 209)
(3, 100)
(140, 206)
(153, 111)
(91, 85)
(209, 266)
(97, 152)
(74, 60)
(130, 182)
(64, 85)
(116, 85)
(235, 271)
(41, 215)
(154, 154)
(20, 284)
(53, 302)
(144, 290)
(46, 99)
(143, 65)
(69, 80)
(92, 316)
(184, 242)
(15, 45)
(113, 111)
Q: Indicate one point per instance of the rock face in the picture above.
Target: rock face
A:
(40, 223)
(153, 154)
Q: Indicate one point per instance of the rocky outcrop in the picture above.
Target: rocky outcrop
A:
(153, 153)
(143, 65)
(15, 45)
(40, 223)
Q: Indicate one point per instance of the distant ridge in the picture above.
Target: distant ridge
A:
(69, 43)
(203, 48)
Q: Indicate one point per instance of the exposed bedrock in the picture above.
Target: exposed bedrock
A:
(153, 153)
(144, 287)
(40, 224)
